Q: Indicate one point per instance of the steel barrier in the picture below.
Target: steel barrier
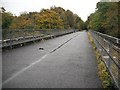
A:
(109, 48)
(15, 37)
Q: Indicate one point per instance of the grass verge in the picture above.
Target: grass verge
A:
(102, 70)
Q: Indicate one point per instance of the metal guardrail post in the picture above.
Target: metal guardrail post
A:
(109, 60)
(24, 34)
(118, 79)
(14, 37)
(11, 39)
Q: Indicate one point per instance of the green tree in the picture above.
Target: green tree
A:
(105, 19)
(7, 18)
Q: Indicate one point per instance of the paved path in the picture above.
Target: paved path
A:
(68, 63)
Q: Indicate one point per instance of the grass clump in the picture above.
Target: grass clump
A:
(104, 76)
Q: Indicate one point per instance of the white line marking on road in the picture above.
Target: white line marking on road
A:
(24, 69)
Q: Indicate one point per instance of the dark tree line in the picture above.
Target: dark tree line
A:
(106, 18)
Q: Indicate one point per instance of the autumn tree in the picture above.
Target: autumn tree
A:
(70, 19)
(48, 19)
(62, 15)
(21, 22)
(53, 18)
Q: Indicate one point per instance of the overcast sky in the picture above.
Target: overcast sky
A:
(83, 8)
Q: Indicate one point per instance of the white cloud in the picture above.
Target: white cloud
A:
(83, 8)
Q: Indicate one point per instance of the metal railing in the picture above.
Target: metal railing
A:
(109, 48)
(15, 37)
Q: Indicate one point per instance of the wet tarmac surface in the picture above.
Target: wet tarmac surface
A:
(63, 62)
